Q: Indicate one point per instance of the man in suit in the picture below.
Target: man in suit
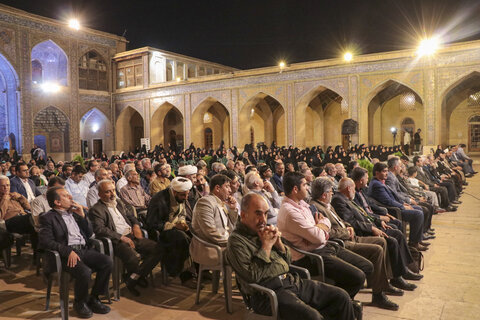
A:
(166, 222)
(214, 218)
(22, 184)
(360, 178)
(66, 229)
(383, 194)
(277, 178)
(394, 169)
(369, 247)
(428, 184)
(352, 213)
(113, 219)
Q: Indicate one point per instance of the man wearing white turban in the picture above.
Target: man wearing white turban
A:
(166, 222)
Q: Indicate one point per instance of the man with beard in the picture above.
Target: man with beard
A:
(113, 219)
(190, 172)
(161, 182)
(166, 222)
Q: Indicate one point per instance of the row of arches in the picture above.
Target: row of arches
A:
(50, 64)
(318, 117)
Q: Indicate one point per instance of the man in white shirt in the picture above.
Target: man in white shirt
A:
(114, 219)
(92, 194)
(122, 182)
(76, 186)
(89, 177)
(22, 184)
(40, 204)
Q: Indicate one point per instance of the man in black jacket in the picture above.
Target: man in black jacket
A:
(166, 222)
(363, 226)
(112, 218)
(66, 229)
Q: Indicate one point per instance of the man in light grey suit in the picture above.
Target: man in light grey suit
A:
(214, 218)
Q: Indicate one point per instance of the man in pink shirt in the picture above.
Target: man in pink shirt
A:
(310, 232)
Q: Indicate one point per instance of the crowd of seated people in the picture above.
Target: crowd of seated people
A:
(245, 202)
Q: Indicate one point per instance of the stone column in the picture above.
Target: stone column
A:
(146, 118)
(74, 102)
(353, 103)
(290, 138)
(26, 93)
(429, 106)
(187, 116)
(146, 71)
(234, 120)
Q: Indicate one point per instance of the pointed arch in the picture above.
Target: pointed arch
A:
(10, 111)
(95, 132)
(53, 60)
(386, 106)
(92, 71)
(220, 124)
(459, 102)
(165, 119)
(262, 112)
(311, 126)
(54, 124)
(129, 129)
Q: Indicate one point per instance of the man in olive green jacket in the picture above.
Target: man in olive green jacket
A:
(257, 255)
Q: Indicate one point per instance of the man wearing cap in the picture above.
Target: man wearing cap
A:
(166, 222)
(214, 218)
(190, 172)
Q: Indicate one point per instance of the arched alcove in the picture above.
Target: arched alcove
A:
(265, 115)
(52, 123)
(129, 130)
(319, 116)
(10, 119)
(391, 102)
(461, 102)
(53, 62)
(95, 133)
(218, 122)
(165, 119)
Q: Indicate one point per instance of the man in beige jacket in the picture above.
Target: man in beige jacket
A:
(214, 218)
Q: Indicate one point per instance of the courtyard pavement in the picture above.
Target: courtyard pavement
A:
(450, 288)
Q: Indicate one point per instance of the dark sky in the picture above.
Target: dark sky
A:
(249, 34)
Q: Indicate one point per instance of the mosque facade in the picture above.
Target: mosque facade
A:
(80, 92)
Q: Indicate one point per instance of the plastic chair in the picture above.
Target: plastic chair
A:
(315, 257)
(63, 277)
(217, 269)
(302, 272)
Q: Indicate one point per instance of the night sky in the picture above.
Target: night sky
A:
(250, 34)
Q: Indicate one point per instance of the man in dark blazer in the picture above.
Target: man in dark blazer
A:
(383, 194)
(423, 177)
(21, 182)
(66, 229)
(392, 181)
(166, 222)
(363, 226)
(112, 218)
